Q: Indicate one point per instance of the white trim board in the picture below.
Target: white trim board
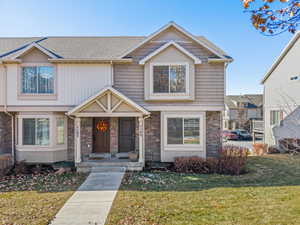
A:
(168, 153)
(183, 108)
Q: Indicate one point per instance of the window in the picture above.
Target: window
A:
(275, 117)
(60, 129)
(36, 131)
(37, 80)
(183, 131)
(169, 78)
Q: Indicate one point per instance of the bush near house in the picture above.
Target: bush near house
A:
(273, 150)
(260, 149)
(290, 145)
(231, 160)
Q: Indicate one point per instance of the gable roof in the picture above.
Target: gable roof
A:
(32, 46)
(200, 41)
(165, 46)
(284, 52)
(92, 48)
(100, 93)
(255, 100)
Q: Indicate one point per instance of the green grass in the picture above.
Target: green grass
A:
(268, 194)
(35, 199)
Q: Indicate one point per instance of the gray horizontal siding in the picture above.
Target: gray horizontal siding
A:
(209, 84)
(129, 79)
(192, 47)
(209, 78)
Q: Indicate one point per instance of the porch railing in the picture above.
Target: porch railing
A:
(257, 126)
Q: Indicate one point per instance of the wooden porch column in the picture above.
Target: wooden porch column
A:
(141, 140)
(77, 140)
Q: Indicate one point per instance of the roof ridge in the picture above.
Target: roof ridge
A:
(21, 37)
(120, 36)
(117, 36)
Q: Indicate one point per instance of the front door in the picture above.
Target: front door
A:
(126, 134)
(101, 135)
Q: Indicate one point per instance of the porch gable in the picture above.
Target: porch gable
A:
(108, 103)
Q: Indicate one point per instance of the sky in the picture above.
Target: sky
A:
(223, 22)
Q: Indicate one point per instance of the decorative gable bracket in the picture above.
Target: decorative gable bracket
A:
(108, 103)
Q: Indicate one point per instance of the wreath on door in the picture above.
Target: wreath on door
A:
(102, 126)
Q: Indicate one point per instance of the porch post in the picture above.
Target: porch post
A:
(141, 140)
(77, 150)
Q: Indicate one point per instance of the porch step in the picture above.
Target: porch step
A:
(91, 166)
(104, 169)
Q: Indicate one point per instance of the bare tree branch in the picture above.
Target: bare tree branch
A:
(272, 20)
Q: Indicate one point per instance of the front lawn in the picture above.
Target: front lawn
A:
(35, 199)
(268, 194)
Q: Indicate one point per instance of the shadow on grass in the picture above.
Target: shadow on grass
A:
(42, 183)
(268, 171)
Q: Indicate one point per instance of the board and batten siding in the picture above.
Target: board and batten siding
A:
(75, 83)
(209, 84)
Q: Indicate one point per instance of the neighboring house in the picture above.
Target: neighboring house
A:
(281, 93)
(87, 98)
(241, 109)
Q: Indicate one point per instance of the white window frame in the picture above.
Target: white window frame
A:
(170, 95)
(184, 147)
(36, 96)
(35, 117)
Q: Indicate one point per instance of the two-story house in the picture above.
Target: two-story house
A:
(86, 99)
(241, 109)
(281, 95)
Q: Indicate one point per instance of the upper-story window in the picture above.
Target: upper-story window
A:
(169, 78)
(37, 80)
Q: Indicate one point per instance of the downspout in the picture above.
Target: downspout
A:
(11, 115)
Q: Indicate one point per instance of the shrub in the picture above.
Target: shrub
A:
(273, 150)
(259, 148)
(193, 164)
(231, 160)
(290, 145)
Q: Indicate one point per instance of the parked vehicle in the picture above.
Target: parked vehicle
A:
(243, 134)
(230, 135)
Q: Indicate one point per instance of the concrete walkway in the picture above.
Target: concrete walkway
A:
(91, 203)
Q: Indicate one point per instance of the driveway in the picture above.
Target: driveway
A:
(245, 144)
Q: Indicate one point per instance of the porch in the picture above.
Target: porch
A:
(109, 141)
(109, 132)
